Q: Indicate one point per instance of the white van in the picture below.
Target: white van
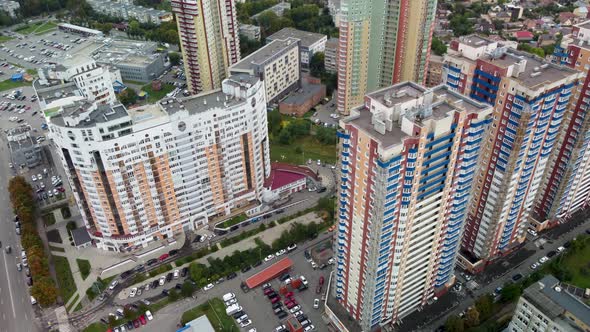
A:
(33, 301)
(228, 297)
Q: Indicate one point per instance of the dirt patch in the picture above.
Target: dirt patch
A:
(322, 252)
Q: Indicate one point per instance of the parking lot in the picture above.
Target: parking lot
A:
(34, 51)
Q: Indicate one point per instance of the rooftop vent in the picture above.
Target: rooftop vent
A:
(535, 74)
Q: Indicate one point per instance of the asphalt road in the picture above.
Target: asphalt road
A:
(16, 311)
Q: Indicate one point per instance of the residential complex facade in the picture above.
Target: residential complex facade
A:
(310, 43)
(408, 159)
(209, 40)
(276, 64)
(129, 11)
(148, 173)
(381, 43)
(566, 185)
(546, 307)
(530, 97)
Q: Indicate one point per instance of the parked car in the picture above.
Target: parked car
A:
(316, 303)
(208, 287)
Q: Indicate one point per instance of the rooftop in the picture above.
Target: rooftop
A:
(262, 55)
(278, 9)
(55, 90)
(475, 40)
(199, 324)
(80, 236)
(584, 25)
(269, 273)
(416, 104)
(307, 38)
(122, 51)
(547, 296)
(83, 114)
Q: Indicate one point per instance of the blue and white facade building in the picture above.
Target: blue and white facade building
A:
(407, 161)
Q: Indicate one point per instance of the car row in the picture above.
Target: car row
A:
(141, 320)
(547, 257)
(233, 308)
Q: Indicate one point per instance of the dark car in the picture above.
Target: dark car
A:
(178, 286)
(129, 325)
(257, 264)
(169, 276)
(516, 277)
(551, 253)
(155, 284)
(276, 305)
(184, 272)
(139, 268)
(29, 281)
(278, 310)
(238, 314)
(280, 211)
(231, 275)
(588, 231)
(125, 274)
(197, 239)
(567, 244)
(244, 287)
(307, 254)
(173, 252)
(301, 318)
(321, 189)
(271, 294)
(246, 268)
(166, 292)
(282, 315)
(152, 262)
(285, 277)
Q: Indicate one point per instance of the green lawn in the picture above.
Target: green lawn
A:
(578, 264)
(58, 249)
(96, 327)
(9, 84)
(66, 283)
(48, 219)
(69, 309)
(154, 96)
(38, 28)
(311, 149)
(215, 311)
(5, 38)
(84, 266)
(235, 220)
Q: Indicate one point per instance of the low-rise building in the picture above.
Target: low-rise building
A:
(301, 101)
(137, 61)
(330, 55)
(129, 11)
(279, 9)
(249, 31)
(24, 150)
(310, 42)
(544, 306)
(277, 64)
(10, 7)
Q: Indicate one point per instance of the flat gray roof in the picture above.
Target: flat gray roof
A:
(552, 300)
(80, 236)
(475, 40)
(102, 114)
(302, 95)
(277, 46)
(55, 90)
(307, 38)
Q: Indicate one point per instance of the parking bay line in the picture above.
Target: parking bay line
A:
(9, 286)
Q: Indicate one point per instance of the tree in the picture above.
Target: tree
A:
(485, 306)
(454, 324)
(510, 293)
(44, 291)
(199, 272)
(274, 122)
(316, 64)
(472, 317)
(285, 137)
(173, 295)
(127, 313)
(174, 58)
(438, 46)
(128, 97)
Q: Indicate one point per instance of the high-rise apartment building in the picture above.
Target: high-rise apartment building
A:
(209, 41)
(381, 43)
(530, 97)
(566, 184)
(407, 160)
(147, 173)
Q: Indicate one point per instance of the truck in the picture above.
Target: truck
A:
(232, 309)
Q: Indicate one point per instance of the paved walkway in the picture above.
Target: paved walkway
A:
(268, 236)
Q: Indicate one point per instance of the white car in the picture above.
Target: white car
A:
(113, 285)
(147, 287)
(39, 177)
(208, 287)
(176, 274)
(298, 313)
(133, 292)
(34, 178)
(316, 303)
(560, 249)
(252, 330)
(162, 281)
(331, 261)
(269, 257)
(149, 315)
(230, 302)
(532, 232)
(281, 252)
(292, 247)
(544, 259)
(534, 266)
(295, 309)
(242, 319)
(309, 328)
(245, 323)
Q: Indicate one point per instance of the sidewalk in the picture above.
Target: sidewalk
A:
(268, 236)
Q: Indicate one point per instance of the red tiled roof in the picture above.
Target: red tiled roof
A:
(282, 178)
(524, 34)
(287, 168)
(269, 273)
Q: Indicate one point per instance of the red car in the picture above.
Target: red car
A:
(268, 291)
(321, 280)
(163, 257)
(142, 320)
(136, 323)
(289, 295)
(291, 305)
(275, 299)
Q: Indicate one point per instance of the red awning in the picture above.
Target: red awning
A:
(269, 273)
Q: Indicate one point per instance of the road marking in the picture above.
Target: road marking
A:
(26, 316)
(9, 286)
(3, 316)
